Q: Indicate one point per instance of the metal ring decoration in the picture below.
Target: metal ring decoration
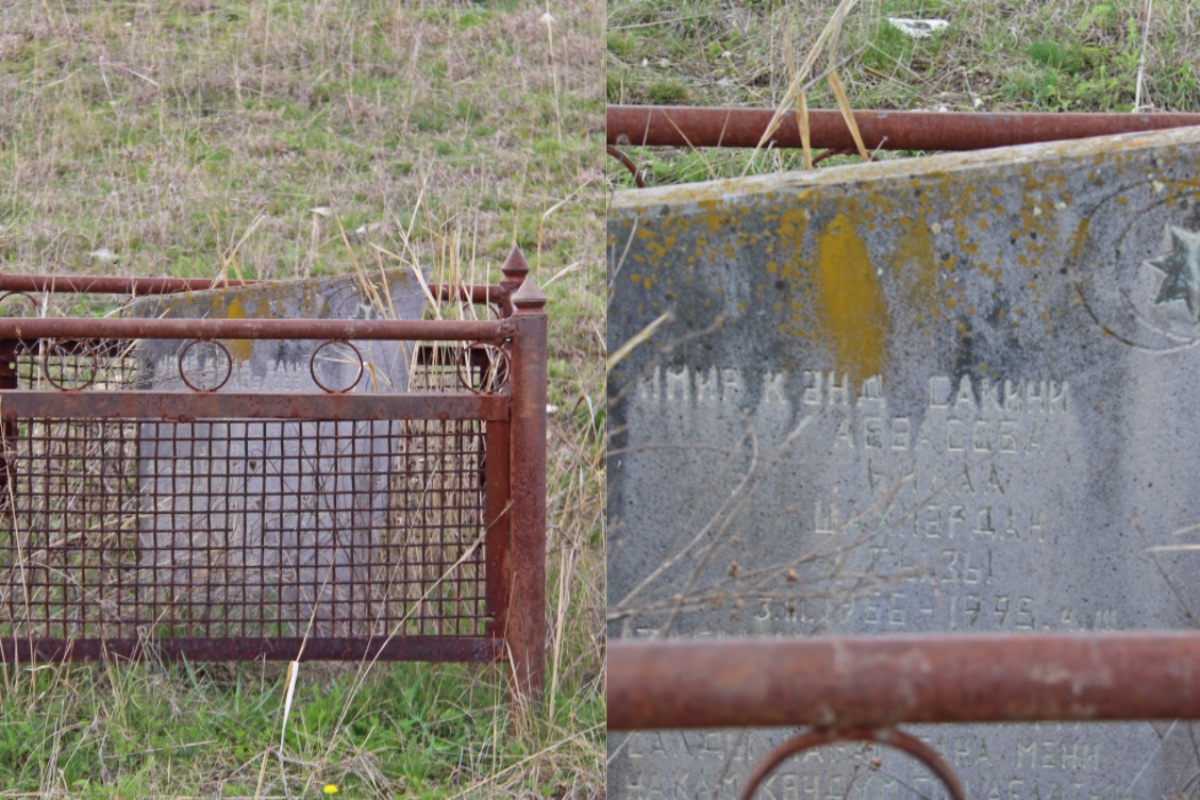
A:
(312, 365)
(887, 736)
(496, 377)
(83, 348)
(26, 295)
(228, 365)
(629, 165)
(843, 151)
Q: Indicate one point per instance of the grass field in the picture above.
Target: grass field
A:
(1075, 55)
(285, 139)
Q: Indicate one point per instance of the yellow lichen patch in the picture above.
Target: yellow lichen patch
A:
(850, 300)
(966, 242)
(238, 348)
(1081, 235)
(916, 269)
(714, 216)
(793, 222)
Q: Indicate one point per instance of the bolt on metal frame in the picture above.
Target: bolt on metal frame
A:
(235, 525)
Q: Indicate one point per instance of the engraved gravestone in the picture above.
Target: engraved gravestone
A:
(282, 513)
(956, 393)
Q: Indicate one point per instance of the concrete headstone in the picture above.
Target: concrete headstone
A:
(269, 519)
(955, 393)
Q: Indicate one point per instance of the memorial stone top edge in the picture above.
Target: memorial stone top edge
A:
(303, 298)
(632, 200)
(394, 294)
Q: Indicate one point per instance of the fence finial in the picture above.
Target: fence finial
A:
(515, 267)
(529, 296)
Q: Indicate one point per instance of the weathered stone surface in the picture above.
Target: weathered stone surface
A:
(950, 393)
(269, 519)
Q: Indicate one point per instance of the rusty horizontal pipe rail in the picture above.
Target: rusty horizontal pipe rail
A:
(396, 648)
(314, 329)
(110, 284)
(686, 126)
(114, 284)
(184, 405)
(867, 682)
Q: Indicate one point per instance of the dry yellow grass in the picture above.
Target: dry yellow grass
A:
(218, 138)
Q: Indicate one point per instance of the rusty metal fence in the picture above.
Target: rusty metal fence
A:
(323, 523)
(861, 688)
(689, 126)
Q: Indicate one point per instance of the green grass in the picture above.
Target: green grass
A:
(1076, 55)
(284, 139)
(412, 731)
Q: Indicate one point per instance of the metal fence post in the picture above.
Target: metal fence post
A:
(514, 269)
(526, 628)
(8, 427)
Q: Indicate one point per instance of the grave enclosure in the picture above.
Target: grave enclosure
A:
(281, 470)
(943, 395)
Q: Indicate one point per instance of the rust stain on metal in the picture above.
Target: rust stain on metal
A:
(527, 516)
(305, 329)
(625, 160)
(685, 126)
(886, 736)
(867, 682)
(92, 284)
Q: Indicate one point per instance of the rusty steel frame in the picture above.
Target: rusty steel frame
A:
(810, 740)
(883, 681)
(165, 405)
(859, 688)
(22, 328)
(513, 470)
(134, 286)
(688, 126)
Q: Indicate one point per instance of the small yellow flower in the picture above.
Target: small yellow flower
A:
(330, 789)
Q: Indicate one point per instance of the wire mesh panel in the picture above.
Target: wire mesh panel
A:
(136, 528)
(69, 540)
(283, 471)
(271, 528)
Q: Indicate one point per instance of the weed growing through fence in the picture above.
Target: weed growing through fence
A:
(205, 138)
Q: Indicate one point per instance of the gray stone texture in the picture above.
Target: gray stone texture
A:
(275, 523)
(955, 393)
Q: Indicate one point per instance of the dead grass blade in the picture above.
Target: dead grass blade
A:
(835, 83)
(641, 336)
(829, 35)
(802, 120)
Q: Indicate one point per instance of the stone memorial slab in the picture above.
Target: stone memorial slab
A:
(284, 515)
(956, 393)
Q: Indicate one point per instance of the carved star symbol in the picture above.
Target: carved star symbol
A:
(1182, 268)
